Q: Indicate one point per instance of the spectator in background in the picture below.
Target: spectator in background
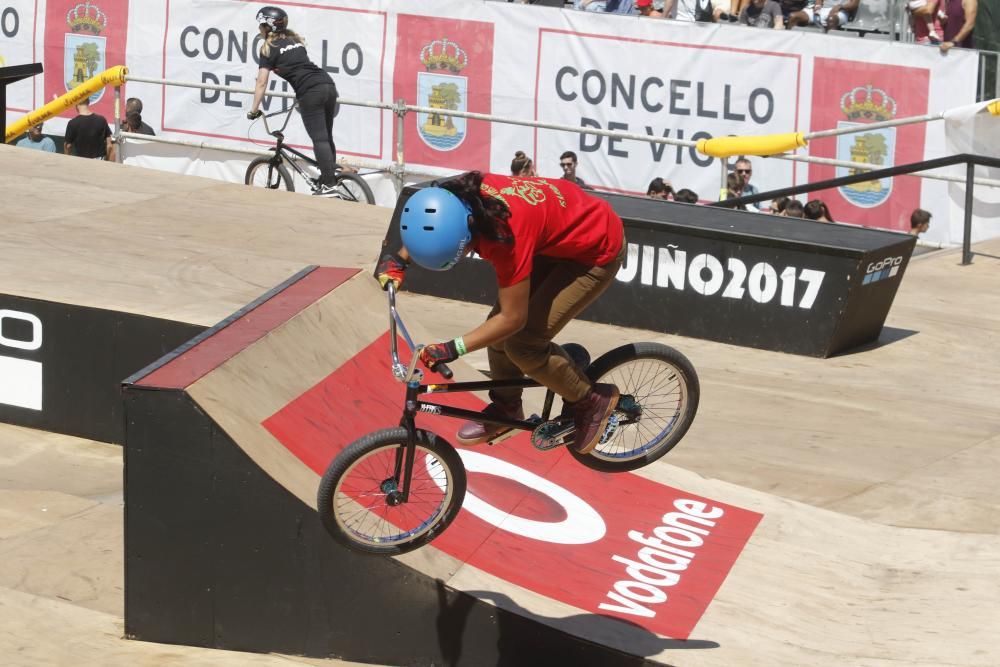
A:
(619, 6)
(762, 14)
(133, 117)
(568, 163)
(925, 21)
(645, 8)
(744, 170)
(834, 17)
(732, 191)
(701, 11)
(36, 141)
(793, 209)
(686, 196)
(522, 165)
(960, 18)
(659, 189)
(88, 135)
(589, 5)
(816, 209)
(794, 12)
(920, 221)
(778, 205)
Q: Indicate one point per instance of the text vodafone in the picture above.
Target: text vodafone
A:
(661, 559)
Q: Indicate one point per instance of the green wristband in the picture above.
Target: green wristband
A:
(460, 346)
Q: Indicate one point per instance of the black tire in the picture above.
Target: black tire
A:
(372, 455)
(352, 187)
(665, 385)
(263, 173)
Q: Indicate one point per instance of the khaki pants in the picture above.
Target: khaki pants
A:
(560, 290)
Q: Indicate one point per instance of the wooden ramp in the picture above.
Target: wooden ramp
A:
(873, 471)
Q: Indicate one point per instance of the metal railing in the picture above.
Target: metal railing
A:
(397, 168)
(970, 161)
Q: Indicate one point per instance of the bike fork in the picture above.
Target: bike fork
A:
(403, 468)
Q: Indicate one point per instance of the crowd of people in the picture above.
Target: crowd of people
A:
(943, 23)
(737, 185)
(88, 134)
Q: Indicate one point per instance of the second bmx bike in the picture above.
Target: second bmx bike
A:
(395, 490)
(272, 173)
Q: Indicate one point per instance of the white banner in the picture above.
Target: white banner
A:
(973, 129)
(218, 43)
(17, 47)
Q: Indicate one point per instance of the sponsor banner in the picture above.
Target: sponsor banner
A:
(82, 39)
(706, 92)
(17, 47)
(616, 545)
(219, 44)
(445, 64)
(867, 93)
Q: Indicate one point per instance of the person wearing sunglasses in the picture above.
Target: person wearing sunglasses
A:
(743, 171)
(567, 161)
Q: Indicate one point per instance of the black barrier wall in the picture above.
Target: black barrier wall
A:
(762, 281)
(61, 365)
(218, 554)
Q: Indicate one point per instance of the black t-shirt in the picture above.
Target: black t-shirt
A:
(89, 135)
(289, 60)
(792, 6)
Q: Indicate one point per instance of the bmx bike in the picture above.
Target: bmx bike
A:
(396, 489)
(271, 172)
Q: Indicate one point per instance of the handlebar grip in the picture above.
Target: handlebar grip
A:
(445, 372)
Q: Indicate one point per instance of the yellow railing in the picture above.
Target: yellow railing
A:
(109, 77)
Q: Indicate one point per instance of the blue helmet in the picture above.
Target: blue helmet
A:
(435, 228)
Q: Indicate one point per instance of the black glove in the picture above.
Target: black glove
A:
(391, 269)
(254, 115)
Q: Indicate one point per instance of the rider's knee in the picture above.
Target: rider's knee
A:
(526, 352)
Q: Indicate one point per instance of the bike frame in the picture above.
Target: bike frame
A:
(412, 406)
(281, 150)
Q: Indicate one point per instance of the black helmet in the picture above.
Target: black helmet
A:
(274, 18)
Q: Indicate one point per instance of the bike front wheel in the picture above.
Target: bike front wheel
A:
(264, 173)
(352, 187)
(660, 392)
(360, 496)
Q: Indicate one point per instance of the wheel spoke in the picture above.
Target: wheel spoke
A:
(658, 387)
(374, 515)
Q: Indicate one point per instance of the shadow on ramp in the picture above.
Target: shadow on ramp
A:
(641, 641)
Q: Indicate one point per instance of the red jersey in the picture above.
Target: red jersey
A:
(552, 218)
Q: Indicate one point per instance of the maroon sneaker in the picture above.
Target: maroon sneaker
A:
(473, 433)
(590, 416)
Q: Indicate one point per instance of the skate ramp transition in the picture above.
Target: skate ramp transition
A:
(548, 563)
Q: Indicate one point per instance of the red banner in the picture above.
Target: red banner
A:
(616, 545)
(448, 65)
(866, 93)
(82, 39)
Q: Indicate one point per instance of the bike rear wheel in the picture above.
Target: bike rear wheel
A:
(352, 187)
(264, 173)
(664, 385)
(359, 499)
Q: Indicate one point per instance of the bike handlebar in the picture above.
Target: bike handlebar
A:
(399, 370)
(288, 117)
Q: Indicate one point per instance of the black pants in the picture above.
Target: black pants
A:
(317, 106)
